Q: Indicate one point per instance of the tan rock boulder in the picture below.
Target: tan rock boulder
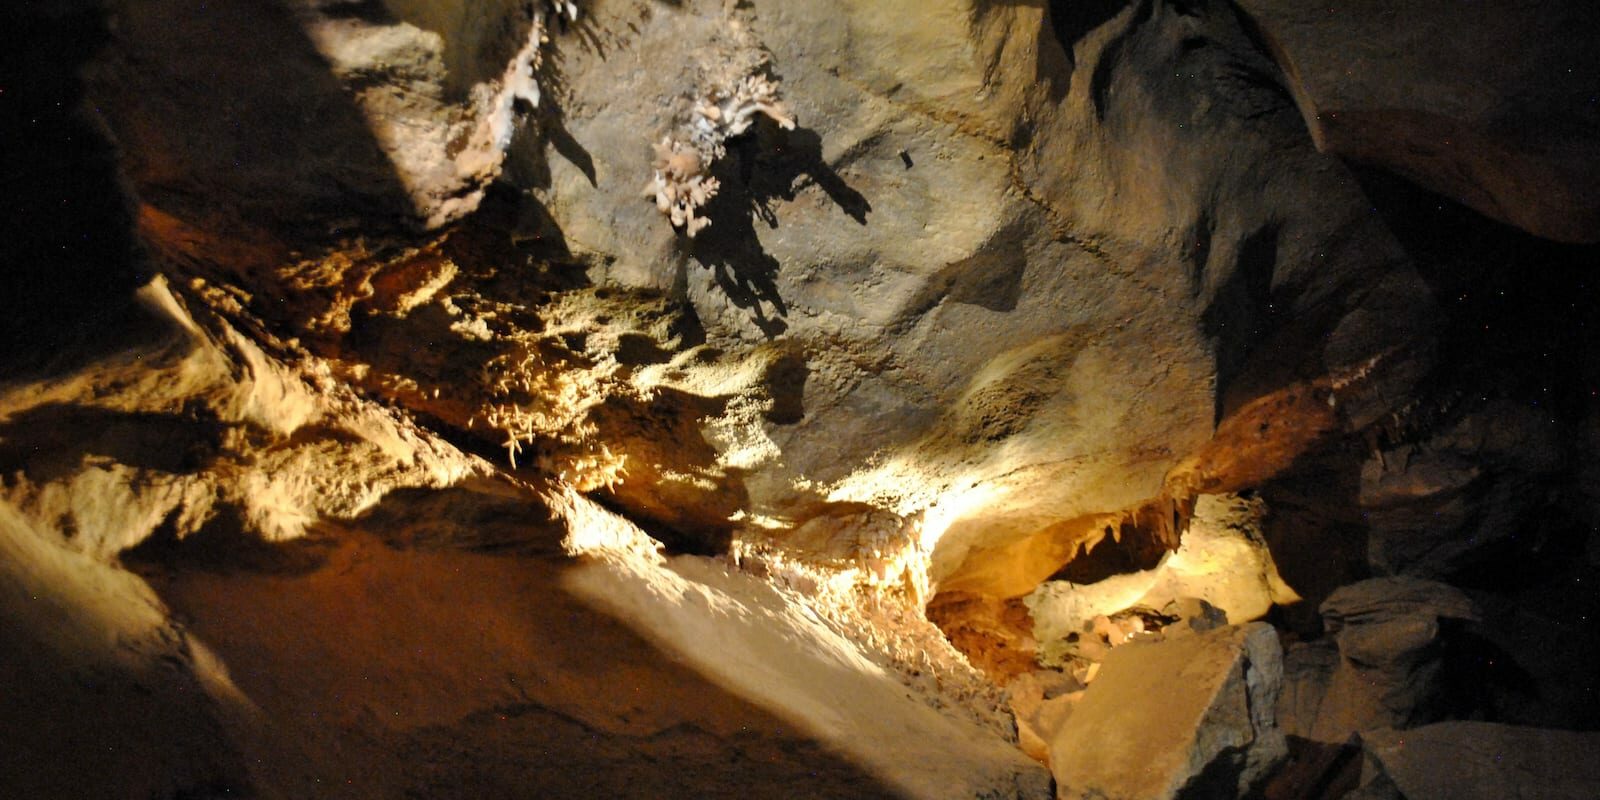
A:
(1191, 714)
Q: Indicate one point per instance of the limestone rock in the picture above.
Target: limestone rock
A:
(967, 322)
(1041, 701)
(404, 110)
(1455, 99)
(1389, 670)
(1481, 761)
(1171, 718)
(178, 429)
(92, 665)
(1451, 502)
(1222, 571)
(1194, 615)
(1381, 599)
(1308, 669)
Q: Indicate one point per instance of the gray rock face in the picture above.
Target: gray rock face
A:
(1481, 761)
(1027, 274)
(1455, 98)
(1439, 506)
(1387, 669)
(1186, 717)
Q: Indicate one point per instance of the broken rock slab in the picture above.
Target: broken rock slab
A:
(1388, 672)
(1041, 701)
(1186, 717)
(1465, 760)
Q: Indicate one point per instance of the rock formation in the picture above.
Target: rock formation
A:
(1191, 716)
(366, 431)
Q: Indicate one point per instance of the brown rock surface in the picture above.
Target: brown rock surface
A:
(968, 322)
(1027, 279)
(384, 672)
(1491, 105)
(1386, 667)
(1190, 716)
(1473, 760)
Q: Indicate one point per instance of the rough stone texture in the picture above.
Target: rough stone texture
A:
(177, 430)
(1026, 277)
(1187, 717)
(1386, 666)
(1436, 507)
(367, 584)
(92, 665)
(1223, 562)
(1456, 99)
(1480, 760)
(1041, 702)
(1117, 182)
(398, 109)
(996, 635)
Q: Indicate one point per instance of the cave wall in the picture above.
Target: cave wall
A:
(1024, 277)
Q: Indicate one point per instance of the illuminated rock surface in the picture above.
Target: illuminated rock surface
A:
(366, 431)
(1189, 716)
(1469, 124)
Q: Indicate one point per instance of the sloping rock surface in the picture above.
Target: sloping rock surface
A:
(1029, 262)
(1480, 760)
(1492, 105)
(1190, 716)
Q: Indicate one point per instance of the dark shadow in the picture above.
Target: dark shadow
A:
(370, 11)
(489, 517)
(511, 227)
(1219, 779)
(1117, 553)
(562, 141)
(990, 278)
(785, 383)
(1315, 529)
(1518, 309)
(1104, 71)
(664, 442)
(268, 131)
(1482, 679)
(1316, 771)
(589, 35)
(1241, 313)
(226, 544)
(1516, 325)
(50, 442)
(761, 167)
(527, 159)
(69, 251)
(1071, 20)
